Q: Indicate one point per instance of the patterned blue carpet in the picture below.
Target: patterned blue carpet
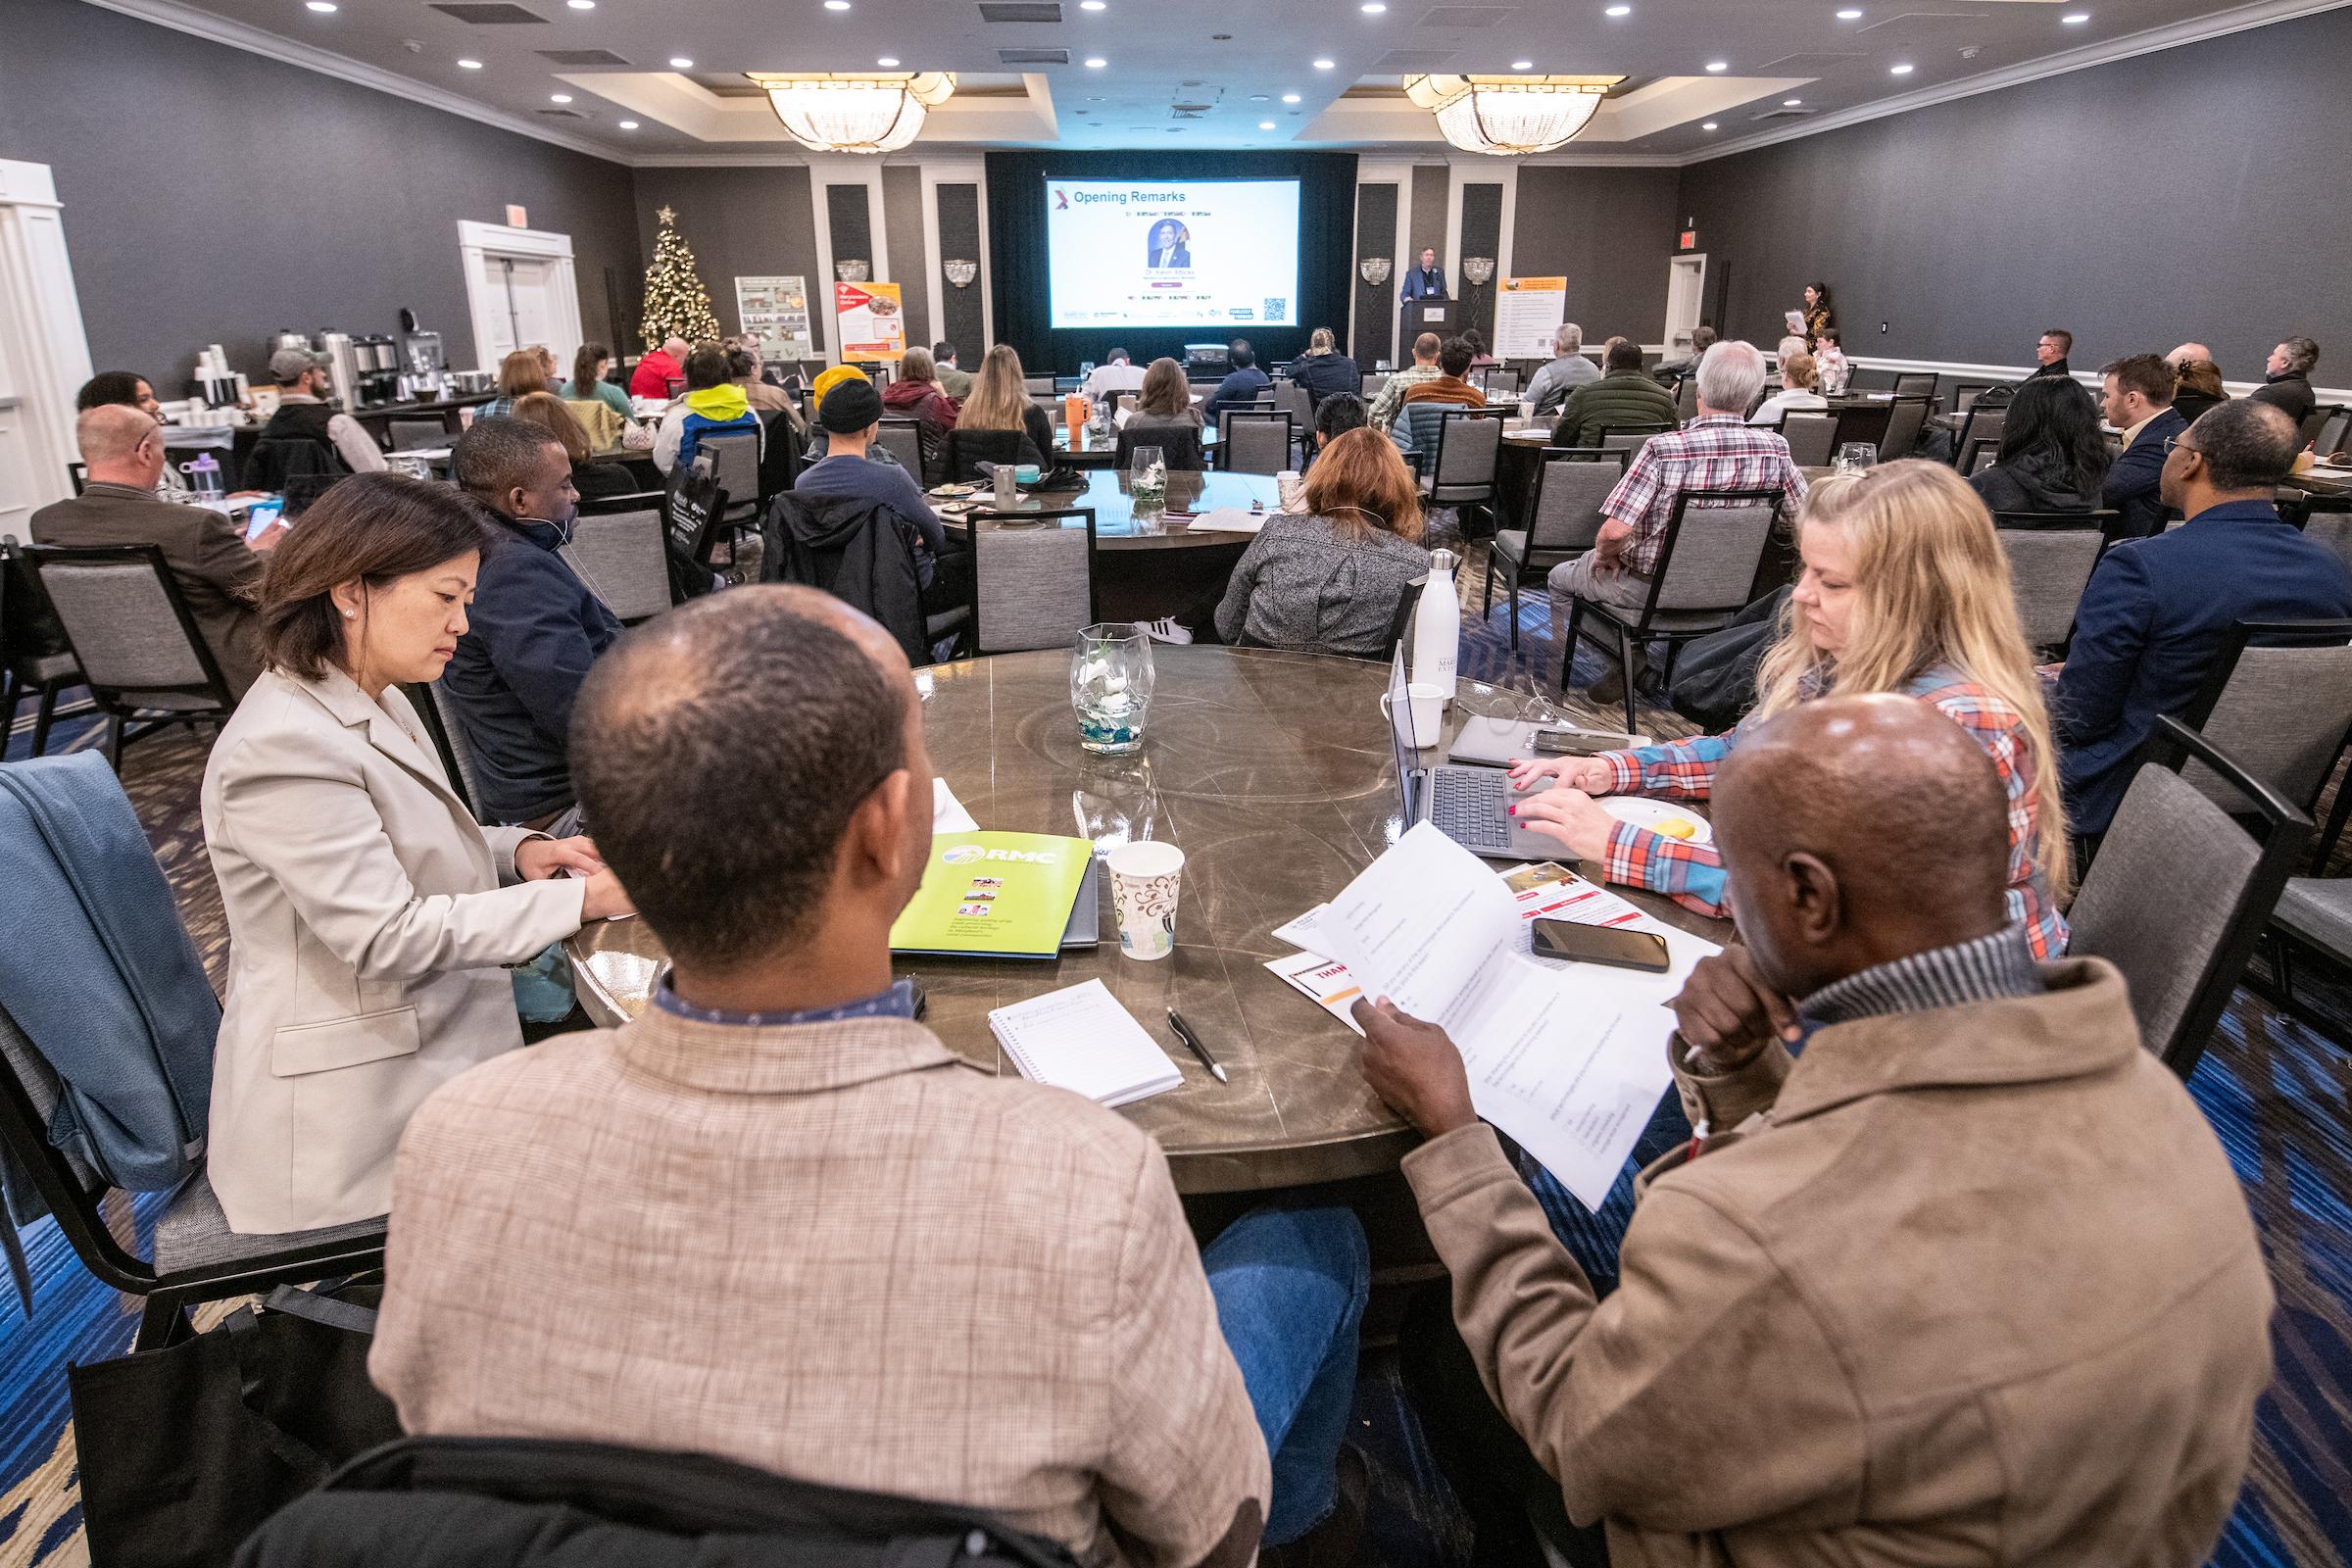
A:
(2279, 1094)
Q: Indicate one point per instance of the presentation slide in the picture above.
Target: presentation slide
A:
(1220, 253)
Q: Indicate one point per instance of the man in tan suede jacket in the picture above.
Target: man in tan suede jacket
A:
(1964, 1279)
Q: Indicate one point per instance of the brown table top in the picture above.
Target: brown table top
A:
(1273, 772)
(1118, 525)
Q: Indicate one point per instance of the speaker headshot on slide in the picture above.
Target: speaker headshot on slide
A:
(1171, 245)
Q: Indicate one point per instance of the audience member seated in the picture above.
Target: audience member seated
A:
(1116, 373)
(1716, 450)
(2050, 352)
(304, 414)
(1387, 405)
(1799, 393)
(131, 391)
(2198, 388)
(1702, 338)
(369, 930)
(1335, 417)
(2186, 352)
(2286, 382)
(1626, 397)
(743, 370)
(1832, 372)
(1904, 589)
(2158, 608)
(2139, 401)
(1000, 401)
(955, 382)
(1328, 581)
(1455, 358)
(1970, 1279)
(917, 395)
(852, 415)
(1480, 357)
(520, 375)
(777, 1220)
(1241, 385)
(1166, 401)
(659, 368)
(122, 452)
(817, 439)
(2053, 456)
(589, 369)
(591, 480)
(714, 405)
(1568, 371)
(1324, 371)
(536, 627)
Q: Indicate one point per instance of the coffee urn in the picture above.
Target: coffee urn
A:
(379, 369)
(342, 366)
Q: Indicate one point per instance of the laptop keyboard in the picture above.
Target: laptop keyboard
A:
(1469, 805)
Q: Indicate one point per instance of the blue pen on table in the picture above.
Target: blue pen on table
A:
(1184, 1032)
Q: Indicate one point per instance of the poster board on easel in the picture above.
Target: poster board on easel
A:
(1527, 311)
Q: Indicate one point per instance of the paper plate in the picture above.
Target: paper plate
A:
(1655, 814)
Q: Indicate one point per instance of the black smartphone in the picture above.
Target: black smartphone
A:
(1614, 946)
(1581, 743)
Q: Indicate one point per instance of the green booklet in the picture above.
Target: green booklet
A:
(994, 895)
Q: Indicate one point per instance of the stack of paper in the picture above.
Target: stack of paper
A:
(1081, 1039)
(1228, 520)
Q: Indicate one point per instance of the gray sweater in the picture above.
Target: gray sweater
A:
(1304, 584)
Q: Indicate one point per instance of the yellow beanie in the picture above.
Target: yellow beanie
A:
(833, 378)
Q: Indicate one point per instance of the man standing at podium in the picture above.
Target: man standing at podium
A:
(1426, 281)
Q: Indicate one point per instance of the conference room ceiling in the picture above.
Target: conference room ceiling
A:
(606, 74)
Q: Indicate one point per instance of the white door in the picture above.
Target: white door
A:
(1686, 285)
(521, 304)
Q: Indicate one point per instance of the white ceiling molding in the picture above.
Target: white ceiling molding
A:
(2196, 29)
(253, 40)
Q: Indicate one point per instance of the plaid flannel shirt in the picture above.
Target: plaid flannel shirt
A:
(1714, 451)
(1693, 874)
(1391, 396)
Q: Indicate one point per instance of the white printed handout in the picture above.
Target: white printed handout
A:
(1568, 1060)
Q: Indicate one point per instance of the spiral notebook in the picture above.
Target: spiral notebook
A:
(1081, 1039)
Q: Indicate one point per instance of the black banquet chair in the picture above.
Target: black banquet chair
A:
(1180, 448)
(145, 662)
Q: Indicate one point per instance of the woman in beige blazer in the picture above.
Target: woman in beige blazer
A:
(369, 917)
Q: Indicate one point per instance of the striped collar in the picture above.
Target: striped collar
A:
(898, 1002)
(1986, 969)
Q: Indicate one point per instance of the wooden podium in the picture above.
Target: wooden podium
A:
(1441, 317)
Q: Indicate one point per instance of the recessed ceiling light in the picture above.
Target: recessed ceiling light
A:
(1096, 63)
(887, 62)
(559, 97)
(1850, 13)
(1791, 102)
(680, 62)
(1709, 125)
(628, 125)
(837, 5)
(2076, 18)
(1091, 5)
(1523, 64)
(1719, 65)
(1323, 64)
(1289, 97)
(469, 65)
(1898, 70)
(1373, 8)
(323, 7)
(1268, 125)
(1618, 11)
(581, 5)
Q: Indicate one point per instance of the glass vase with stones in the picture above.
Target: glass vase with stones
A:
(1110, 687)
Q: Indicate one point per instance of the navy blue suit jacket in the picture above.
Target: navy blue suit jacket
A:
(1415, 290)
(1239, 387)
(2132, 484)
(2154, 615)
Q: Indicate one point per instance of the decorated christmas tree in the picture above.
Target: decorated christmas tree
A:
(675, 300)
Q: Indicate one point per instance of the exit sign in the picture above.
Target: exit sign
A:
(1689, 240)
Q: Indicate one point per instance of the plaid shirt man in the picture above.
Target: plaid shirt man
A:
(1693, 874)
(1713, 451)
(1391, 396)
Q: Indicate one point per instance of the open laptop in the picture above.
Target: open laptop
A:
(1470, 806)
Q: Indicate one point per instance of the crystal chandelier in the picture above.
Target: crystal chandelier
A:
(842, 112)
(1510, 115)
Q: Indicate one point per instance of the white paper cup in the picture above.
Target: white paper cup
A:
(1145, 879)
(1425, 706)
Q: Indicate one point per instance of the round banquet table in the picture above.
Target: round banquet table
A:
(1273, 772)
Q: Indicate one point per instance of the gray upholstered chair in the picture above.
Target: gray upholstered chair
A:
(1686, 397)
(620, 556)
(735, 460)
(1915, 384)
(2181, 887)
(1628, 438)
(1374, 385)
(1033, 580)
(903, 439)
(1811, 438)
(1705, 575)
(2279, 702)
(1466, 460)
(1981, 429)
(456, 753)
(1563, 522)
(145, 662)
(1254, 442)
(2052, 556)
(1905, 419)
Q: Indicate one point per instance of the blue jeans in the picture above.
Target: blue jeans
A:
(1290, 1286)
(1593, 1239)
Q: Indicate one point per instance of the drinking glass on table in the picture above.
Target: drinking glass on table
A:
(1856, 456)
(1150, 482)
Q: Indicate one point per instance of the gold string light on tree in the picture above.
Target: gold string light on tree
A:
(675, 301)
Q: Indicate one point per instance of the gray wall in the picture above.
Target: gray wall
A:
(2189, 194)
(747, 223)
(215, 196)
(1608, 231)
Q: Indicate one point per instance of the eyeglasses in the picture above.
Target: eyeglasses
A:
(2174, 442)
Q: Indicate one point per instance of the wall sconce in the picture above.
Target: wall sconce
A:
(1375, 270)
(960, 273)
(852, 271)
(1478, 269)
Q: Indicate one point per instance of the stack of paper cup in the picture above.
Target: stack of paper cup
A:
(1146, 878)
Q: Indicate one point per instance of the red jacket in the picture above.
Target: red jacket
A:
(652, 375)
(921, 400)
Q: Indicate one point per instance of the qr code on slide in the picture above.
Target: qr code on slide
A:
(1277, 308)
